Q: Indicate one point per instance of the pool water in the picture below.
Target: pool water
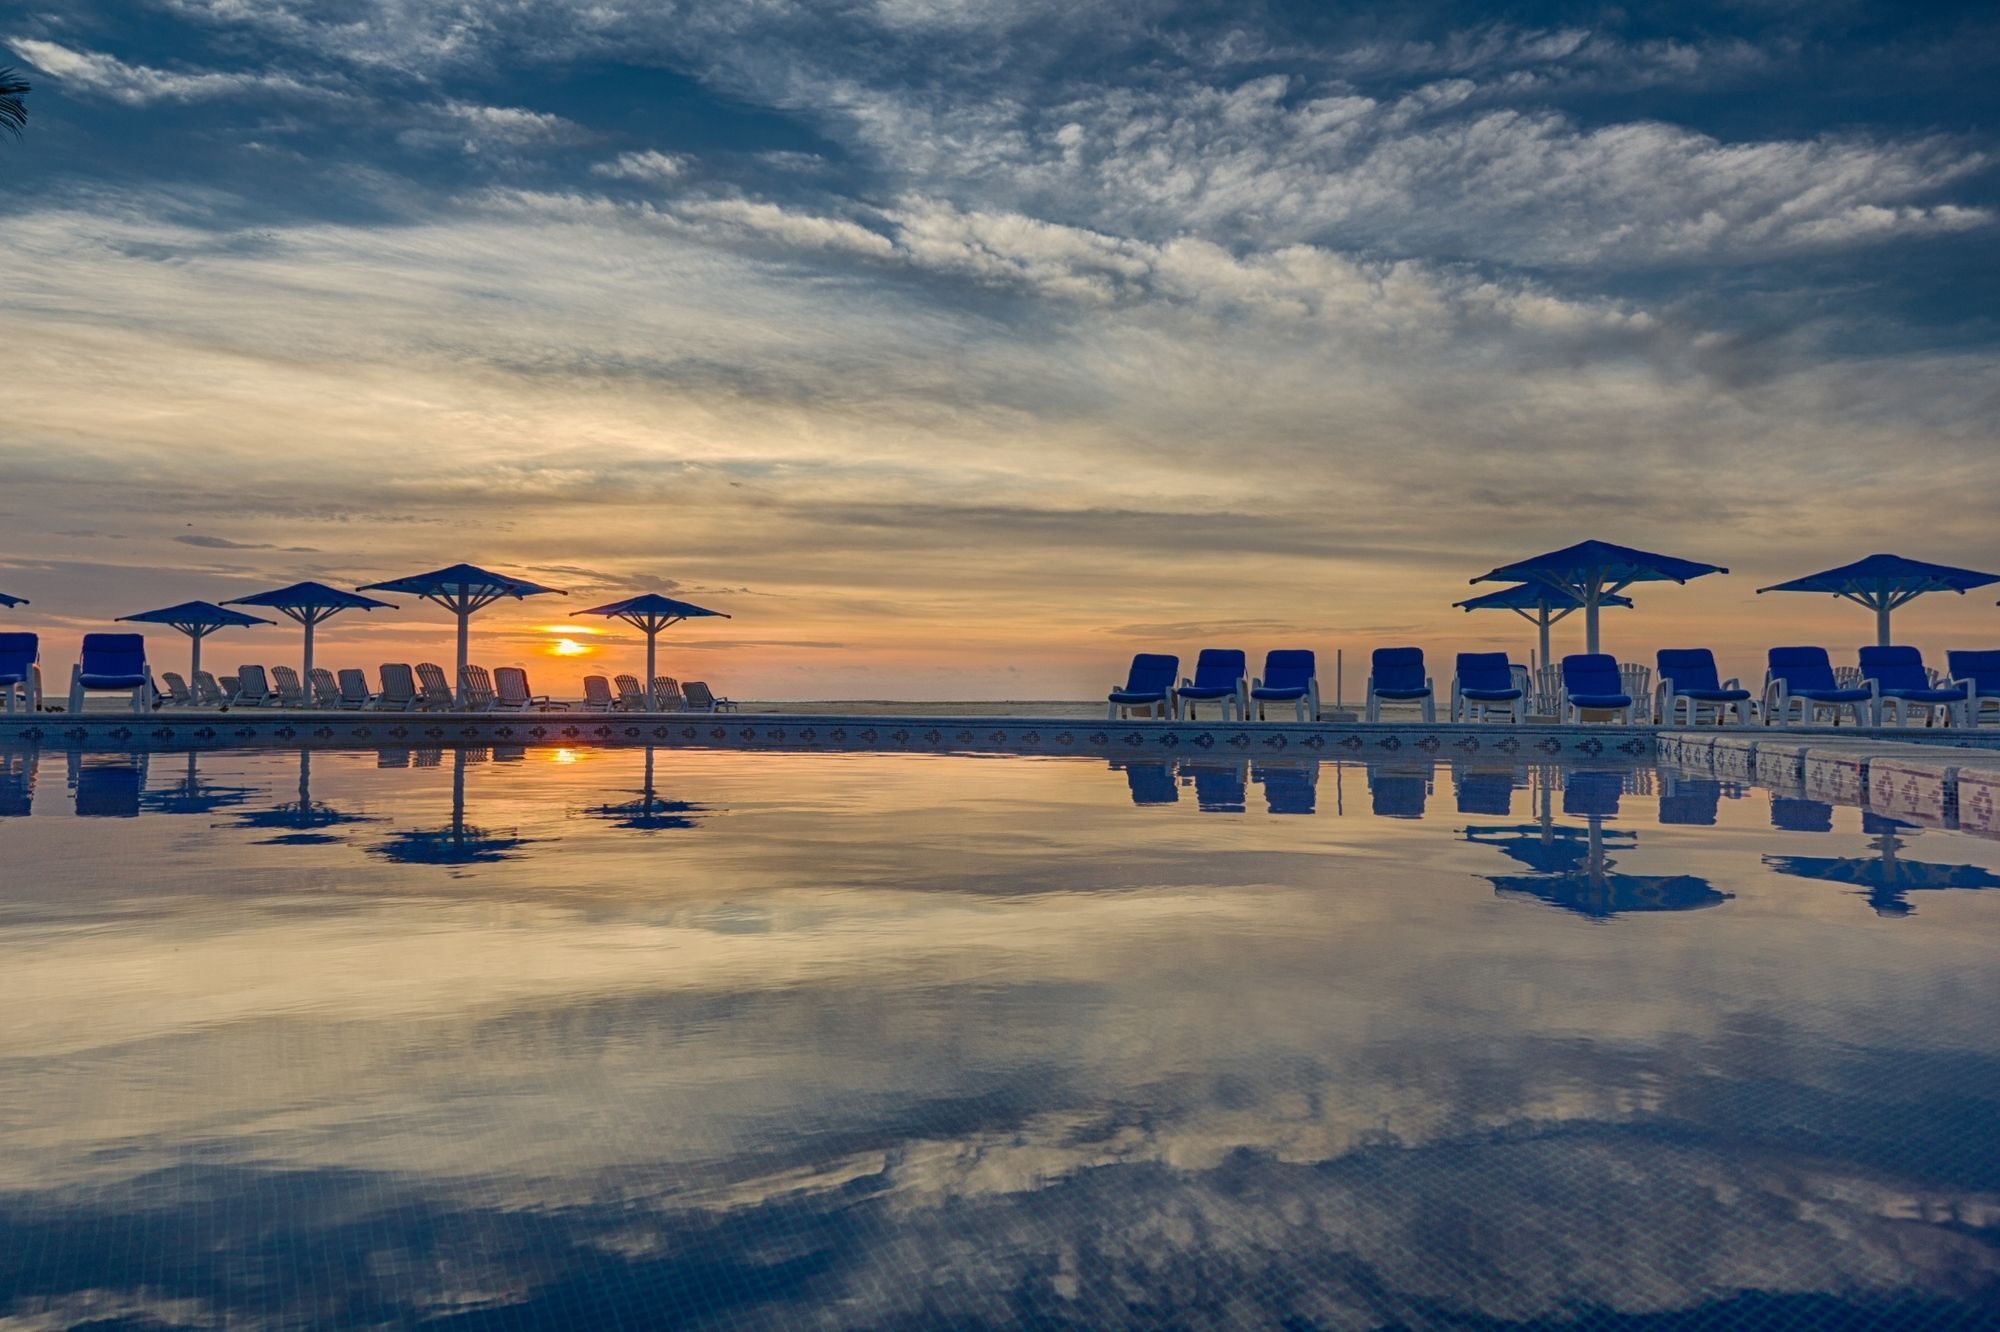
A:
(621, 1038)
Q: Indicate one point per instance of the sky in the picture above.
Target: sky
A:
(961, 350)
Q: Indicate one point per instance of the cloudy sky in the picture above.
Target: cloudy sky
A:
(961, 349)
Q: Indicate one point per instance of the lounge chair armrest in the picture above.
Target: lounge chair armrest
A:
(1733, 682)
(1256, 682)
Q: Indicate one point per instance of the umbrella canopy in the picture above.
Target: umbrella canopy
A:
(463, 589)
(649, 614)
(1590, 571)
(1884, 582)
(1537, 603)
(196, 619)
(8, 601)
(310, 603)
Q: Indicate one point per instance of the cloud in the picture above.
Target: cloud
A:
(474, 128)
(93, 72)
(224, 543)
(650, 165)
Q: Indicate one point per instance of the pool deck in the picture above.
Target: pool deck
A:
(1729, 751)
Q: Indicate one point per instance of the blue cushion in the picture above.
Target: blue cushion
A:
(1151, 673)
(1592, 674)
(1601, 700)
(1982, 668)
(13, 677)
(1803, 668)
(1280, 693)
(1834, 695)
(1894, 667)
(1715, 695)
(1400, 669)
(1138, 696)
(111, 681)
(1490, 695)
(1402, 695)
(1288, 668)
(1484, 671)
(1207, 691)
(1218, 669)
(1691, 670)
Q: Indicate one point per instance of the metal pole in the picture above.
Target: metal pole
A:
(464, 639)
(306, 674)
(194, 655)
(652, 658)
(1590, 599)
(1545, 622)
(1882, 623)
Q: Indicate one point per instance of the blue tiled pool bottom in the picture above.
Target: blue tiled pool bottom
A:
(616, 1038)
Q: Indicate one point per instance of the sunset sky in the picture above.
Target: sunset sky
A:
(960, 350)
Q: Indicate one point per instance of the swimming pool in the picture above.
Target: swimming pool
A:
(621, 1037)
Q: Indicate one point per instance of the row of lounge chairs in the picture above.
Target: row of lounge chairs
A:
(116, 663)
(1891, 685)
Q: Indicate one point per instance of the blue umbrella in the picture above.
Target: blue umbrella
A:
(11, 602)
(196, 619)
(1546, 602)
(649, 613)
(1590, 571)
(310, 604)
(463, 589)
(1884, 582)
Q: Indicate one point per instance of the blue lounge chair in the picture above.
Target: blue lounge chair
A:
(112, 663)
(1149, 687)
(1485, 680)
(1804, 676)
(1902, 683)
(1290, 676)
(1591, 684)
(1397, 676)
(1220, 678)
(1979, 673)
(1688, 683)
(18, 676)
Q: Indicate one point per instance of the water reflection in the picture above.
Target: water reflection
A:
(457, 842)
(1886, 876)
(1398, 792)
(651, 812)
(18, 769)
(1573, 868)
(1797, 814)
(107, 786)
(191, 793)
(940, 1042)
(303, 821)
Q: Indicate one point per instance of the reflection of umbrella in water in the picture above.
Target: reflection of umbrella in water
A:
(1885, 876)
(458, 843)
(650, 812)
(301, 822)
(1574, 871)
(192, 795)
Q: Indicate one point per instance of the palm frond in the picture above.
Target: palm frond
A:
(13, 111)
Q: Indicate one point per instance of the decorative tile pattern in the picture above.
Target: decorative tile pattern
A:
(1915, 790)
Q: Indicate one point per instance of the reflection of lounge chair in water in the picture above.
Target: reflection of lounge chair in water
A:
(1793, 814)
(1486, 791)
(17, 783)
(1693, 802)
(1289, 788)
(1219, 786)
(107, 786)
(1150, 783)
(1398, 795)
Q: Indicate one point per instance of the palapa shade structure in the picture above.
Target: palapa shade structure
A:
(196, 619)
(1537, 603)
(310, 604)
(1590, 571)
(650, 613)
(464, 589)
(1883, 583)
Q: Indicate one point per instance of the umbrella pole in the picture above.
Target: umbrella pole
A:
(652, 656)
(194, 656)
(1590, 600)
(1882, 624)
(1545, 621)
(464, 645)
(306, 672)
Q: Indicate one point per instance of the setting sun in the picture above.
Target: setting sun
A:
(569, 647)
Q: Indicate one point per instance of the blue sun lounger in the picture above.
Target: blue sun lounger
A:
(1290, 676)
(1148, 688)
(1901, 683)
(18, 654)
(1219, 675)
(1804, 676)
(1396, 675)
(1979, 673)
(1485, 680)
(1591, 684)
(112, 664)
(1688, 683)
